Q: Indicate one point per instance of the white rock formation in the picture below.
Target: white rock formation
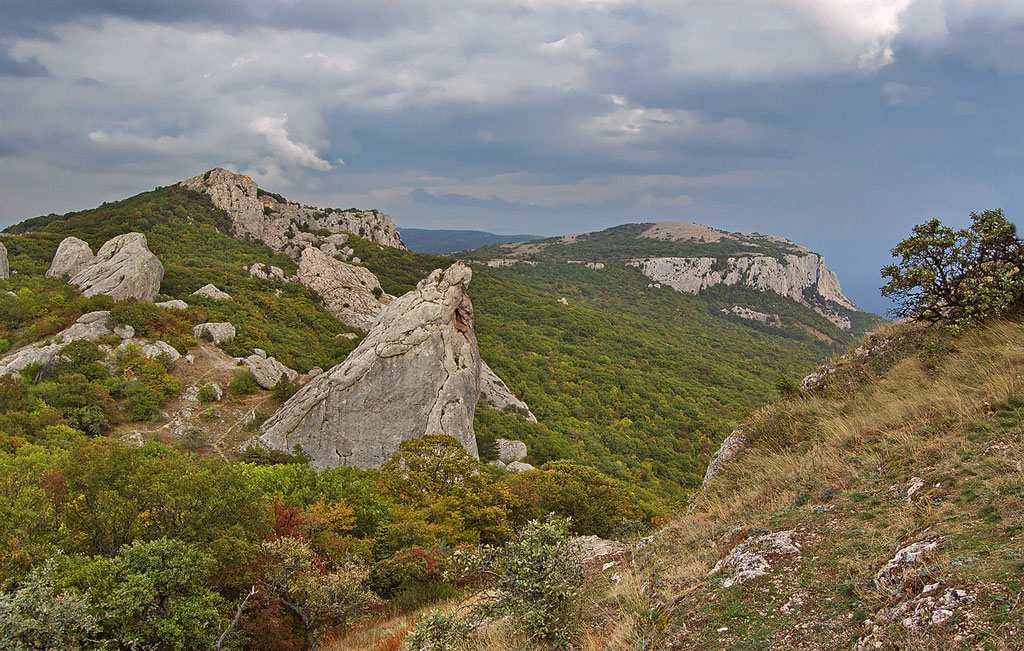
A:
(217, 332)
(733, 444)
(352, 294)
(5, 269)
(752, 558)
(158, 348)
(262, 217)
(417, 372)
(15, 362)
(498, 395)
(789, 277)
(267, 370)
(209, 290)
(124, 267)
(71, 257)
(518, 466)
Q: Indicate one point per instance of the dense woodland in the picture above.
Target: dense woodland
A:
(155, 546)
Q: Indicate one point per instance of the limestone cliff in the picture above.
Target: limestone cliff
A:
(352, 294)
(262, 216)
(801, 277)
(417, 372)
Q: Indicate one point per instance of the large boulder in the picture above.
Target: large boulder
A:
(90, 327)
(216, 332)
(496, 393)
(5, 270)
(72, 256)
(124, 267)
(267, 370)
(417, 372)
(209, 290)
(352, 294)
(13, 363)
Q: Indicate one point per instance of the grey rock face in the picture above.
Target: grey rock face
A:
(267, 370)
(494, 391)
(124, 267)
(124, 331)
(210, 290)
(509, 451)
(71, 257)
(789, 277)
(15, 362)
(217, 332)
(519, 466)
(417, 372)
(277, 224)
(733, 444)
(5, 269)
(352, 294)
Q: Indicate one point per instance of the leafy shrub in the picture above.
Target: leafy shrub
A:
(207, 393)
(243, 383)
(284, 388)
(35, 610)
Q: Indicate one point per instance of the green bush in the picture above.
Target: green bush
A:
(243, 383)
(207, 393)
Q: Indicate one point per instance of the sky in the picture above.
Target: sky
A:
(836, 123)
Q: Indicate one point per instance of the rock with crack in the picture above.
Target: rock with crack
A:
(123, 268)
(498, 395)
(352, 294)
(267, 370)
(730, 447)
(71, 257)
(89, 327)
(890, 578)
(14, 363)
(209, 290)
(417, 372)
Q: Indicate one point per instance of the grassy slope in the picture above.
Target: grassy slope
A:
(835, 469)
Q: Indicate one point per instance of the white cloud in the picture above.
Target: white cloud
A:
(274, 131)
(907, 94)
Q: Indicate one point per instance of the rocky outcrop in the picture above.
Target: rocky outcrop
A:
(215, 332)
(174, 304)
(733, 444)
(275, 222)
(494, 391)
(267, 370)
(17, 361)
(265, 271)
(71, 257)
(752, 558)
(89, 327)
(793, 276)
(5, 269)
(352, 294)
(509, 451)
(753, 315)
(209, 290)
(417, 372)
(123, 268)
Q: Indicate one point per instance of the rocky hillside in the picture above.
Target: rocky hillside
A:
(693, 258)
(286, 226)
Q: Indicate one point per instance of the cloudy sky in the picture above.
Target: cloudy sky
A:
(836, 123)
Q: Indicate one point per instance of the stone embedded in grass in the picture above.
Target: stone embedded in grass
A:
(890, 579)
(750, 559)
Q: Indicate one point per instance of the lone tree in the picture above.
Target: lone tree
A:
(960, 278)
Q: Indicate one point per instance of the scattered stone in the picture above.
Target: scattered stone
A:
(124, 331)
(71, 257)
(132, 438)
(190, 358)
(509, 451)
(750, 559)
(210, 290)
(157, 348)
(267, 370)
(890, 578)
(174, 304)
(192, 393)
(123, 268)
(915, 484)
(217, 332)
(563, 301)
(265, 272)
(417, 372)
(519, 466)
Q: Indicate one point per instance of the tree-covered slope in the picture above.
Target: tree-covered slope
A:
(441, 241)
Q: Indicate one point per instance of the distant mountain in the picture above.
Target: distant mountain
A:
(441, 241)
